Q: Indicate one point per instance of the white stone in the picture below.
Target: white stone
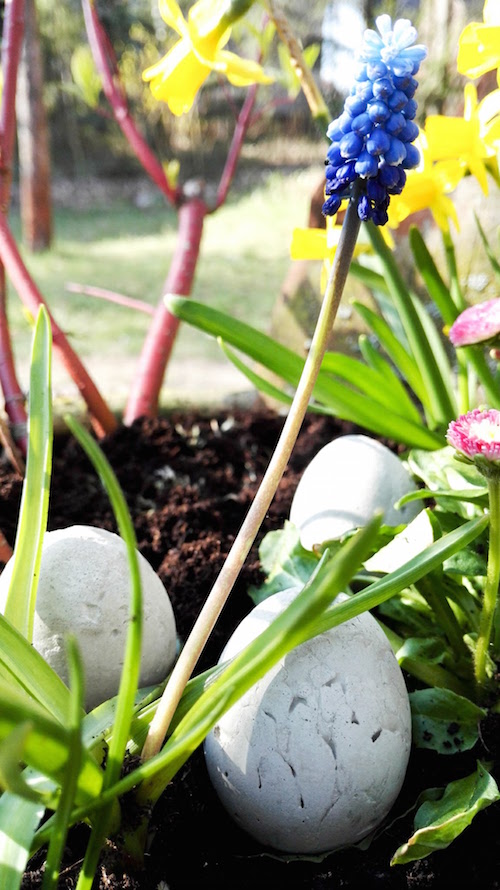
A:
(313, 756)
(84, 589)
(344, 485)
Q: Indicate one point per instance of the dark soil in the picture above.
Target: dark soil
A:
(189, 481)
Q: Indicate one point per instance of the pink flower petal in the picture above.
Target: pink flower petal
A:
(476, 434)
(476, 324)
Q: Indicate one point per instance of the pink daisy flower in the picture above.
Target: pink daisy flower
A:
(476, 324)
(476, 435)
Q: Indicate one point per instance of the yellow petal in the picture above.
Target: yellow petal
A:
(172, 15)
(177, 78)
(240, 72)
(478, 49)
(308, 244)
(478, 170)
(447, 137)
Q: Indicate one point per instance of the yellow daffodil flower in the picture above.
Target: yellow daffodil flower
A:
(428, 186)
(178, 76)
(321, 244)
(479, 43)
(472, 139)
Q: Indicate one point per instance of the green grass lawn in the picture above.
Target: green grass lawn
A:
(244, 259)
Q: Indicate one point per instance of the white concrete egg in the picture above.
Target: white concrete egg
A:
(313, 757)
(343, 486)
(84, 588)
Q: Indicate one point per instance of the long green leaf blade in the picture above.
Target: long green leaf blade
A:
(20, 604)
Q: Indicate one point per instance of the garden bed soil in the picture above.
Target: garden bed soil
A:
(189, 481)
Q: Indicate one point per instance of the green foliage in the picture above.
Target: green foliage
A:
(444, 815)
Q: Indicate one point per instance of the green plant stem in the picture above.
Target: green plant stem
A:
(250, 527)
(491, 586)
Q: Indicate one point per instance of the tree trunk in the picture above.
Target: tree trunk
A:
(33, 141)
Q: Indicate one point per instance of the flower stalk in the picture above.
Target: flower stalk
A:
(237, 555)
(490, 596)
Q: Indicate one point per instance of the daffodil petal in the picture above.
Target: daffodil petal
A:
(478, 170)
(489, 107)
(308, 244)
(447, 137)
(478, 50)
(241, 72)
(171, 14)
(177, 78)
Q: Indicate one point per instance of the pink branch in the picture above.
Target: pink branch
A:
(102, 418)
(12, 39)
(145, 393)
(105, 62)
(111, 296)
(240, 131)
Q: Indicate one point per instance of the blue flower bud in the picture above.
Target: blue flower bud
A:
(409, 132)
(410, 109)
(395, 123)
(350, 145)
(412, 158)
(362, 124)
(383, 88)
(344, 122)
(331, 205)
(378, 112)
(398, 101)
(374, 70)
(379, 142)
(355, 105)
(396, 153)
(366, 165)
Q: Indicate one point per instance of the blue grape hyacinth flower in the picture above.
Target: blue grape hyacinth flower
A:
(372, 140)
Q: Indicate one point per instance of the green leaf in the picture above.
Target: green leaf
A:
(495, 265)
(439, 822)
(439, 292)
(330, 396)
(441, 408)
(11, 773)
(25, 667)
(285, 562)
(16, 835)
(444, 721)
(402, 359)
(85, 75)
(19, 607)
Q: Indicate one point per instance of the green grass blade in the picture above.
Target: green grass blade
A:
(495, 265)
(46, 745)
(131, 662)
(18, 822)
(380, 385)
(438, 290)
(331, 397)
(436, 343)
(403, 361)
(26, 668)
(21, 597)
(438, 399)
(62, 818)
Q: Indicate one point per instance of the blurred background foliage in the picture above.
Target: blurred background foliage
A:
(85, 140)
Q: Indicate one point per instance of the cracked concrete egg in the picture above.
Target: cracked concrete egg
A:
(84, 588)
(313, 756)
(343, 486)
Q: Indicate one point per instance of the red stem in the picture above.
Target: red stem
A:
(105, 62)
(12, 39)
(145, 392)
(111, 296)
(240, 131)
(102, 418)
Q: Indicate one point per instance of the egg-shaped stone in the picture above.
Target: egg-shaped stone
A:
(84, 589)
(345, 484)
(313, 756)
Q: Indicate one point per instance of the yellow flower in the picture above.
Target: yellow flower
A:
(428, 186)
(471, 139)
(178, 76)
(321, 244)
(479, 43)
